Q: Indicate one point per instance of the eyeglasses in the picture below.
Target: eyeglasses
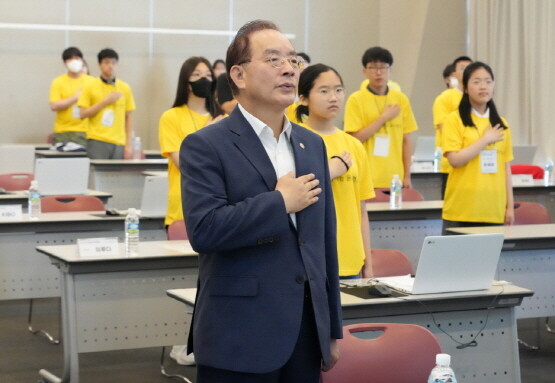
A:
(277, 61)
(375, 68)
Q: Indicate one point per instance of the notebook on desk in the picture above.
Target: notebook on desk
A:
(452, 263)
(154, 201)
(17, 158)
(524, 154)
(62, 176)
(424, 149)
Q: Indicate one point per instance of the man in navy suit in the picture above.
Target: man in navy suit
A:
(259, 210)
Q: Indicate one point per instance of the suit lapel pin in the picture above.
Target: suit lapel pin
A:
(301, 145)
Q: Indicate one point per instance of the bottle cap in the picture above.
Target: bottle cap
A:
(132, 211)
(34, 184)
(443, 359)
(396, 176)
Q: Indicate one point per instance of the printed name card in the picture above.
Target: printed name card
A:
(422, 167)
(522, 180)
(11, 213)
(98, 247)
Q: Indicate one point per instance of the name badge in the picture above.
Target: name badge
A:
(108, 118)
(11, 213)
(381, 145)
(488, 161)
(75, 112)
(98, 247)
(522, 180)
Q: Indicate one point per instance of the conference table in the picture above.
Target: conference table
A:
(452, 318)
(119, 302)
(124, 179)
(404, 229)
(528, 260)
(48, 153)
(20, 197)
(25, 274)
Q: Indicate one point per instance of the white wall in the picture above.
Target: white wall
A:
(423, 35)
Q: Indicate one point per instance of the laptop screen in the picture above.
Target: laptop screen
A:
(62, 176)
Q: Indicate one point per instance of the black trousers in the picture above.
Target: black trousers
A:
(303, 365)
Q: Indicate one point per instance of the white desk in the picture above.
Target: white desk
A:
(120, 302)
(404, 229)
(124, 179)
(494, 359)
(20, 197)
(26, 274)
(48, 153)
(527, 259)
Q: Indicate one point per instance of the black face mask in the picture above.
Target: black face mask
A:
(202, 88)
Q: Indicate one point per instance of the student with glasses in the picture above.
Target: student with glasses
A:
(382, 119)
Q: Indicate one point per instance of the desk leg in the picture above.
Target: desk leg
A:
(71, 327)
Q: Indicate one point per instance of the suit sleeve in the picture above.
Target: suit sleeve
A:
(214, 224)
(332, 268)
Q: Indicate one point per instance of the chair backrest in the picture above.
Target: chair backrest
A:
(16, 181)
(382, 195)
(53, 203)
(389, 263)
(402, 353)
(177, 231)
(530, 213)
(535, 171)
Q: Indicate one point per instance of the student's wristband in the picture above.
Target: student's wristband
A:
(342, 160)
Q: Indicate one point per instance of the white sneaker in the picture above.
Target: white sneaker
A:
(179, 354)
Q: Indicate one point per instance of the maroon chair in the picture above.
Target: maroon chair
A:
(530, 213)
(53, 204)
(382, 195)
(16, 181)
(535, 171)
(402, 353)
(390, 263)
(177, 231)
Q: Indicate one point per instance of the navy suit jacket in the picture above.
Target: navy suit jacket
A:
(253, 262)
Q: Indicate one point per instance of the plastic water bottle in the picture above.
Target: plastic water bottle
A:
(132, 233)
(137, 148)
(396, 193)
(34, 200)
(547, 170)
(437, 159)
(442, 372)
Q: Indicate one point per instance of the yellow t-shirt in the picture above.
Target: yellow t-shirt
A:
(473, 196)
(363, 107)
(391, 84)
(349, 190)
(108, 125)
(176, 124)
(62, 87)
(446, 103)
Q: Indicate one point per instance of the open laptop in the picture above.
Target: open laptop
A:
(62, 176)
(524, 154)
(452, 263)
(17, 158)
(424, 148)
(154, 201)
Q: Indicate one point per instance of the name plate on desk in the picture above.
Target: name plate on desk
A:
(98, 247)
(422, 167)
(522, 180)
(11, 213)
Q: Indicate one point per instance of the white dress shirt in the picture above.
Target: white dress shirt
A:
(280, 151)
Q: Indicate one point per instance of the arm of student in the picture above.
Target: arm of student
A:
(367, 271)
(510, 210)
(463, 156)
(407, 153)
(65, 102)
(174, 156)
(128, 150)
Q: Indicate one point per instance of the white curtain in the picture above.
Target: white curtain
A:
(516, 38)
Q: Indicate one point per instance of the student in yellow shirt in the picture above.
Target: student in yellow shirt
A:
(108, 102)
(382, 119)
(64, 93)
(477, 144)
(322, 94)
(194, 108)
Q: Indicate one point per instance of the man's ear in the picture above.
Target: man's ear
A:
(237, 75)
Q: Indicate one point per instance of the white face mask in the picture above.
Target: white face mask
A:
(453, 82)
(74, 65)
